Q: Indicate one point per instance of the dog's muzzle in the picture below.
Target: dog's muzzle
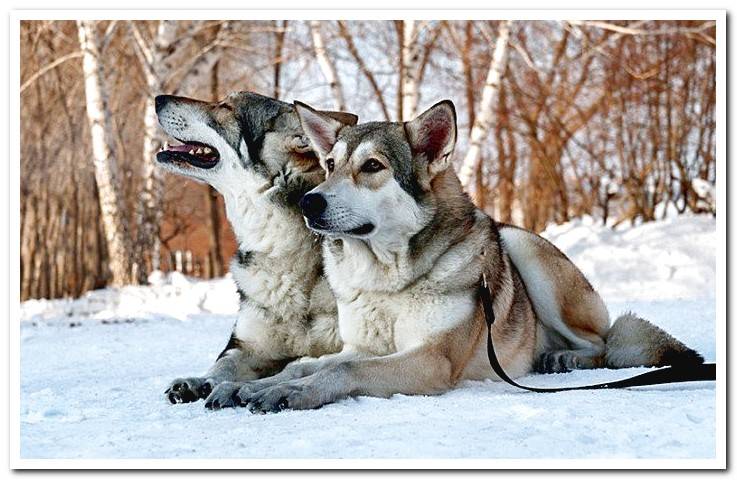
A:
(313, 207)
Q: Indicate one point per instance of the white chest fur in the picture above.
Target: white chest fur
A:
(384, 307)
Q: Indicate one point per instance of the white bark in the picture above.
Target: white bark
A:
(326, 65)
(155, 66)
(157, 60)
(411, 53)
(485, 112)
(196, 73)
(103, 155)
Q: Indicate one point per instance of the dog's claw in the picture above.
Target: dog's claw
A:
(188, 390)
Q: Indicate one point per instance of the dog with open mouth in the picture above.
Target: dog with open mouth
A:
(252, 150)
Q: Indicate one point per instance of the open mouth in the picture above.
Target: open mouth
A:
(192, 153)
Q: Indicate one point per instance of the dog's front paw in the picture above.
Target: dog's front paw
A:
(224, 396)
(186, 390)
(284, 396)
(247, 390)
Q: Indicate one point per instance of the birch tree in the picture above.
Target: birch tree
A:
(410, 57)
(326, 65)
(153, 58)
(115, 225)
(157, 53)
(485, 113)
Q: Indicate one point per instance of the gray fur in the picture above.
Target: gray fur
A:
(265, 166)
(391, 140)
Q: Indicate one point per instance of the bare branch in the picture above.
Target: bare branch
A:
(48, 68)
(363, 67)
(639, 31)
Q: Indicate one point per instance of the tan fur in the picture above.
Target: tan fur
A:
(409, 314)
(633, 342)
(405, 268)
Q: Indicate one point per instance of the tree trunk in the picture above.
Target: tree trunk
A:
(148, 214)
(399, 28)
(410, 67)
(105, 165)
(485, 113)
(216, 255)
(326, 65)
(281, 33)
(195, 75)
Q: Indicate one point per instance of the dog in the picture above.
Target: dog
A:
(405, 251)
(252, 150)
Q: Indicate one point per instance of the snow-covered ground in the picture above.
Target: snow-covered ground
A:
(93, 372)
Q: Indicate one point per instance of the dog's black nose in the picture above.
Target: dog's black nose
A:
(312, 205)
(160, 101)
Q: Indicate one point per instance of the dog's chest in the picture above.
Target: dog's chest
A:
(384, 323)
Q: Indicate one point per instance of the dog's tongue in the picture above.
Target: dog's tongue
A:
(180, 148)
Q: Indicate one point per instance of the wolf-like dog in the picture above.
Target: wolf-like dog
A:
(252, 150)
(405, 251)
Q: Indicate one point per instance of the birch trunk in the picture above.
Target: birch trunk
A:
(196, 75)
(148, 215)
(103, 156)
(485, 112)
(326, 65)
(411, 54)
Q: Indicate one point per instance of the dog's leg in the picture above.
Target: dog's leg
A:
(233, 394)
(237, 363)
(424, 370)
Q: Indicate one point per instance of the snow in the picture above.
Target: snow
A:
(93, 372)
(170, 295)
(669, 259)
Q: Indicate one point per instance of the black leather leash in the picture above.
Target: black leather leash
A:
(704, 371)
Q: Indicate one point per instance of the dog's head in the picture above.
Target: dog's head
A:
(229, 142)
(379, 175)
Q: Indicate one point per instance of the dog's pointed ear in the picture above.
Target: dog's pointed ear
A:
(432, 136)
(346, 118)
(322, 127)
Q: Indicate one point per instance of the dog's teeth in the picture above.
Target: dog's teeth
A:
(191, 151)
(198, 151)
(208, 150)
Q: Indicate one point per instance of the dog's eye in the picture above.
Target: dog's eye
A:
(372, 166)
(330, 163)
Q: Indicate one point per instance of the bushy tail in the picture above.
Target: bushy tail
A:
(633, 342)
